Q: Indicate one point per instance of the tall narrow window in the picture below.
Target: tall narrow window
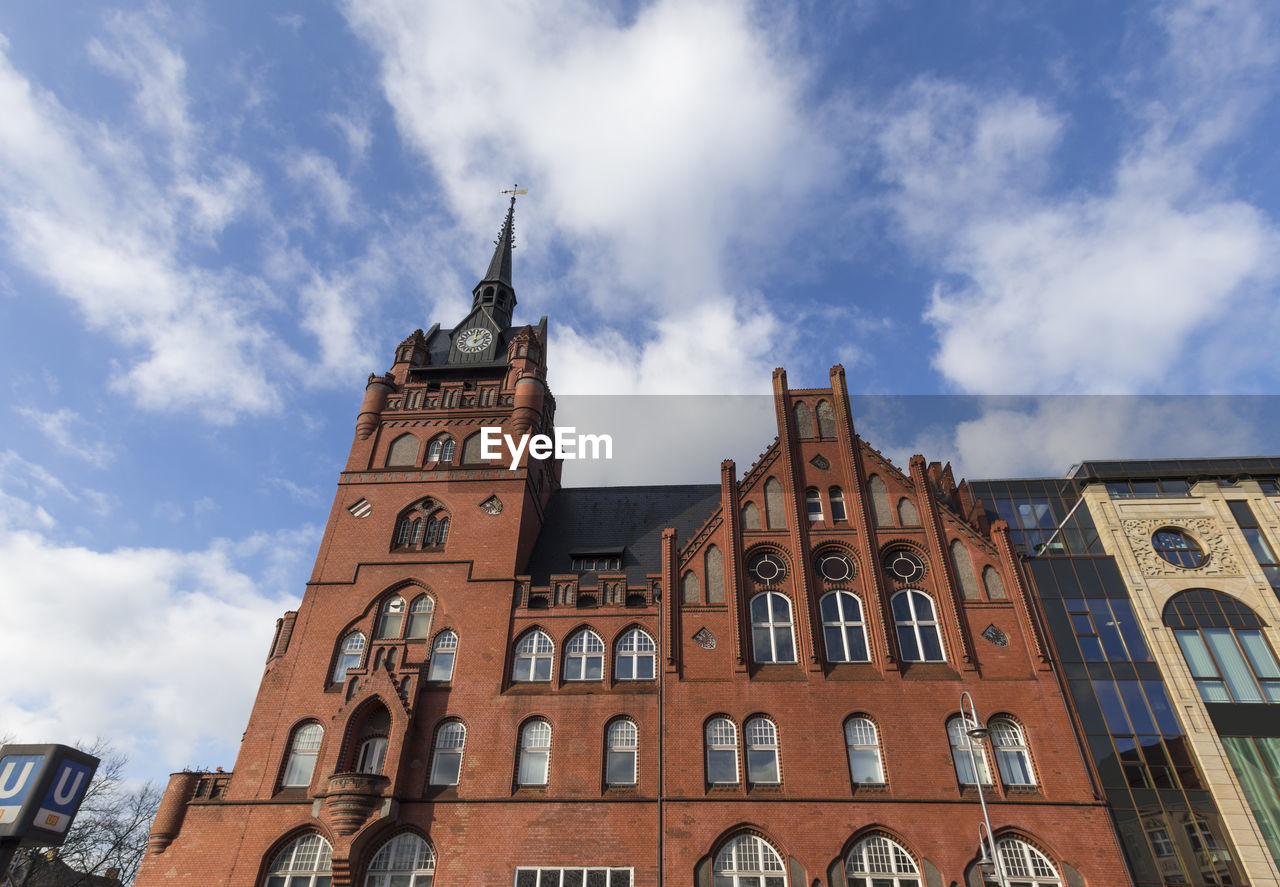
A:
(749, 861)
(826, 419)
(750, 516)
(441, 450)
(636, 652)
(420, 617)
(722, 751)
(624, 745)
(773, 512)
(404, 861)
(804, 420)
(961, 744)
(843, 632)
(836, 495)
(535, 753)
(880, 511)
(876, 861)
(350, 655)
(584, 657)
(372, 735)
(533, 658)
(917, 626)
(302, 755)
(437, 529)
(1258, 543)
(443, 652)
(963, 564)
(690, 588)
(771, 636)
(762, 751)
(713, 561)
(863, 743)
(446, 762)
(907, 514)
(391, 618)
(813, 502)
(993, 583)
(1013, 757)
(306, 861)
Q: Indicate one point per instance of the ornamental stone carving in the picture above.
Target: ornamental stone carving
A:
(1219, 558)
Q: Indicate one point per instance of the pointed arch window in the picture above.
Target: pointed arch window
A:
(844, 634)
(994, 584)
(623, 742)
(907, 515)
(420, 617)
(403, 451)
(350, 655)
(535, 753)
(404, 861)
(307, 861)
(1013, 756)
(722, 751)
(773, 511)
(302, 755)
(584, 657)
(441, 449)
(750, 516)
(880, 511)
(1027, 865)
(391, 617)
(916, 622)
(446, 760)
(963, 564)
(636, 654)
(961, 743)
(836, 495)
(813, 503)
(713, 564)
(443, 652)
(804, 420)
(534, 654)
(826, 419)
(863, 743)
(762, 752)
(877, 861)
(749, 861)
(690, 588)
(424, 524)
(373, 732)
(771, 634)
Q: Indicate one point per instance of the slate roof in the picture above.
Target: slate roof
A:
(584, 520)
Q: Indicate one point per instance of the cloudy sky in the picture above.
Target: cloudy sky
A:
(216, 218)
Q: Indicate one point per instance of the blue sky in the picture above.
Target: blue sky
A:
(217, 218)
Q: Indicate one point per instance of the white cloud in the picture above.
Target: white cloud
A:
(61, 426)
(318, 174)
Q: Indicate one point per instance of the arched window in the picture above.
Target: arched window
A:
(441, 449)
(762, 751)
(636, 653)
(843, 632)
(425, 523)
(863, 743)
(443, 652)
(804, 420)
(813, 503)
(1222, 642)
(963, 565)
(749, 861)
(917, 625)
(907, 514)
(471, 446)
(877, 861)
(372, 736)
(722, 751)
(690, 589)
(446, 761)
(994, 584)
(1025, 864)
(403, 451)
(880, 511)
(404, 861)
(713, 562)
(961, 744)
(623, 742)
(750, 516)
(535, 753)
(584, 657)
(302, 755)
(771, 637)
(773, 514)
(533, 657)
(350, 655)
(420, 617)
(836, 495)
(826, 419)
(391, 618)
(1013, 757)
(437, 529)
(307, 861)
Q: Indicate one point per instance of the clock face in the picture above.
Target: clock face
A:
(474, 339)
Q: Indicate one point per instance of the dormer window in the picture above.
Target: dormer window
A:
(608, 560)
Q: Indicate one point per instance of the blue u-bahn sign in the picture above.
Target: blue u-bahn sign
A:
(41, 787)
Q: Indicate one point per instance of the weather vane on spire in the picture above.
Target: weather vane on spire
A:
(509, 225)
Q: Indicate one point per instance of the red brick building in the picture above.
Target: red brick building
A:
(752, 683)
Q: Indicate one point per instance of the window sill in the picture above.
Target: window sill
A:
(854, 671)
(524, 688)
(724, 788)
(293, 793)
(928, 671)
(871, 790)
(765, 790)
(777, 671)
(529, 792)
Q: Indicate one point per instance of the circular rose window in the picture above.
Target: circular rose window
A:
(767, 568)
(904, 565)
(835, 567)
(1177, 548)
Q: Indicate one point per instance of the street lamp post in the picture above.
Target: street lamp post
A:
(979, 733)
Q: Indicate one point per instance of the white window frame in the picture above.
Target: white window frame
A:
(304, 749)
(862, 741)
(1026, 865)
(635, 647)
(390, 619)
(583, 650)
(842, 624)
(444, 651)
(1013, 752)
(535, 754)
(762, 751)
(350, 655)
(622, 744)
(838, 511)
(420, 610)
(404, 855)
(535, 652)
(372, 756)
(881, 861)
(308, 857)
(958, 736)
(451, 742)
(771, 627)
(916, 625)
(721, 738)
(749, 861)
(553, 876)
(813, 504)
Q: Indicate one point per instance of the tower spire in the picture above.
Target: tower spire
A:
(500, 264)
